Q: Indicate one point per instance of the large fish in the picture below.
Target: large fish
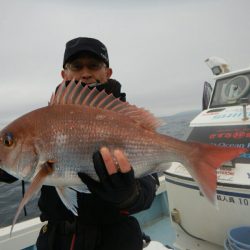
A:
(50, 145)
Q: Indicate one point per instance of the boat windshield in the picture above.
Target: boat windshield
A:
(230, 91)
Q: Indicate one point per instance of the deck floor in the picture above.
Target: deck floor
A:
(162, 231)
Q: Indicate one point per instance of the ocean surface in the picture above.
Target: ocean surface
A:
(11, 194)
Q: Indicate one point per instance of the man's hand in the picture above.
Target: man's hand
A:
(117, 183)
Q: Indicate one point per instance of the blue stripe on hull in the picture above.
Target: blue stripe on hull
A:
(242, 195)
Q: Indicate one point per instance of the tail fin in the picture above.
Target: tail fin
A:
(204, 159)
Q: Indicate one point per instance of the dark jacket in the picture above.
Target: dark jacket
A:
(99, 226)
(5, 177)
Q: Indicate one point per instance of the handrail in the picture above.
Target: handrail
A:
(24, 235)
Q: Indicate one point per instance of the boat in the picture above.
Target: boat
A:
(224, 121)
(180, 217)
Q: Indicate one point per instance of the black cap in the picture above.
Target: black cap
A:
(85, 44)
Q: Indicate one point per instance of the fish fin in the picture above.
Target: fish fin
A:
(72, 98)
(76, 94)
(204, 159)
(81, 189)
(35, 186)
(56, 96)
(69, 198)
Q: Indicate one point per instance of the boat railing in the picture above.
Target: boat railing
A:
(23, 237)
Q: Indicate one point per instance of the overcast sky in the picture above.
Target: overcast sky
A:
(157, 48)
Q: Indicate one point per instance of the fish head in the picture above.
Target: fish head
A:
(18, 155)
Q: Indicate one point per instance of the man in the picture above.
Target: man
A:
(103, 221)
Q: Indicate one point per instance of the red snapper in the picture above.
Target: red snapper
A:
(50, 145)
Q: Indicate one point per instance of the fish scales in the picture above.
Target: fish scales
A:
(70, 135)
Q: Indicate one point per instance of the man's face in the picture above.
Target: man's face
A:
(86, 69)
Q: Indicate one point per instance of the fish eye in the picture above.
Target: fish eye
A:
(8, 139)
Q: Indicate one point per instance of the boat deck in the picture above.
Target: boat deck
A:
(162, 231)
(156, 223)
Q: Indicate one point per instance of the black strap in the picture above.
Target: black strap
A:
(23, 192)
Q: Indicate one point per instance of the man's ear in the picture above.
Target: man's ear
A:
(63, 74)
(109, 72)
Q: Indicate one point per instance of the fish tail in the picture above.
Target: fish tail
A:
(204, 159)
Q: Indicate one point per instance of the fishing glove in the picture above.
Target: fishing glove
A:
(119, 189)
(7, 178)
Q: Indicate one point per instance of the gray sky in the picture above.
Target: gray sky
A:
(157, 48)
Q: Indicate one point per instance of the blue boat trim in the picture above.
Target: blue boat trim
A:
(218, 183)
(218, 191)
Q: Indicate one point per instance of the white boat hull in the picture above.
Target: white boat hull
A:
(199, 217)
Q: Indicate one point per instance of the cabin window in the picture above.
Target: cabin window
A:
(230, 91)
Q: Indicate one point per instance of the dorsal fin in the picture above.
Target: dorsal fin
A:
(77, 94)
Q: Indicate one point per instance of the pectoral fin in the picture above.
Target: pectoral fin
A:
(46, 169)
(68, 196)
